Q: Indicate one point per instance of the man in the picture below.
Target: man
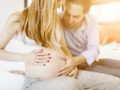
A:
(81, 32)
(81, 35)
(82, 39)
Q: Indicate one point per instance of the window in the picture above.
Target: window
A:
(107, 12)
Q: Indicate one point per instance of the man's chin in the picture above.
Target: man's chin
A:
(69, 27)
(72, 28)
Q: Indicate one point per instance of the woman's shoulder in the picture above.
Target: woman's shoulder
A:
(11, 26)
(14, 17)
(13, 21)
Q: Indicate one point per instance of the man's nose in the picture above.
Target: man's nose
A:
(71, 19)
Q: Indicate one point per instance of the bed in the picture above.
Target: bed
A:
(10, 81)
(110, 51)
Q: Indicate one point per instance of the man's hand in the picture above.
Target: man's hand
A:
(69, 69)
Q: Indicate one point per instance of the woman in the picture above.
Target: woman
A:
(40, 24)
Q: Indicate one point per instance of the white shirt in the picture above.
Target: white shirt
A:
(85, 40)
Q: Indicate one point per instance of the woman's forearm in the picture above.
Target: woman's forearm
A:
(9, 56)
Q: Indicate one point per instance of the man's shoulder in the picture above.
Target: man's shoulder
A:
(91, 19)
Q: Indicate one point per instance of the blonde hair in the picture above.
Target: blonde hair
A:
(40, 21)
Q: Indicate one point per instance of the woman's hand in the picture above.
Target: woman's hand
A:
(37, 57)
(44, 55)
(69, 69)
(53, 53)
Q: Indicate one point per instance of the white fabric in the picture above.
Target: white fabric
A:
(10, 81)
(17, 46)
(110, 51)
(98, 81)
(85, 40)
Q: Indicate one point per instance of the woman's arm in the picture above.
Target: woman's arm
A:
(10, 29)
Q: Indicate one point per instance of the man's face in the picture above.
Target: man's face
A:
(72, 16)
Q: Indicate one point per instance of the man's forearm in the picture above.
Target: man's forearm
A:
(9, 56)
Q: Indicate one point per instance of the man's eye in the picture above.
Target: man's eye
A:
(76, 16)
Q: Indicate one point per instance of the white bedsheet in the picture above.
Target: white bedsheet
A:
(110, 51)
(17, 46)
(10, 81)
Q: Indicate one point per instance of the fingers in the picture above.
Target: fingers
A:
(67, 68)
(43, 57)
(73, 73)
(38, 57)
(43, 54)
(42, 61)
(65, 71)
(63, 68)
(38, 64)
(41, 50)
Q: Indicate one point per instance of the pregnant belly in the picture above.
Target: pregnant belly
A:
(48, 70)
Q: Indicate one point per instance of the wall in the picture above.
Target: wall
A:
(102, 1)
(109, 32)
(7, 7)
(107, 13)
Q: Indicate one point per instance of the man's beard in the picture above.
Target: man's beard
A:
(72, 26)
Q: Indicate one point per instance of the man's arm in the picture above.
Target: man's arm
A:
(79, 60)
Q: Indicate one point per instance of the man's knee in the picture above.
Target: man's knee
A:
(69, 83)
(58, 83)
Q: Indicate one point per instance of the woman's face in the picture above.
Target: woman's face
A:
(72, 16)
